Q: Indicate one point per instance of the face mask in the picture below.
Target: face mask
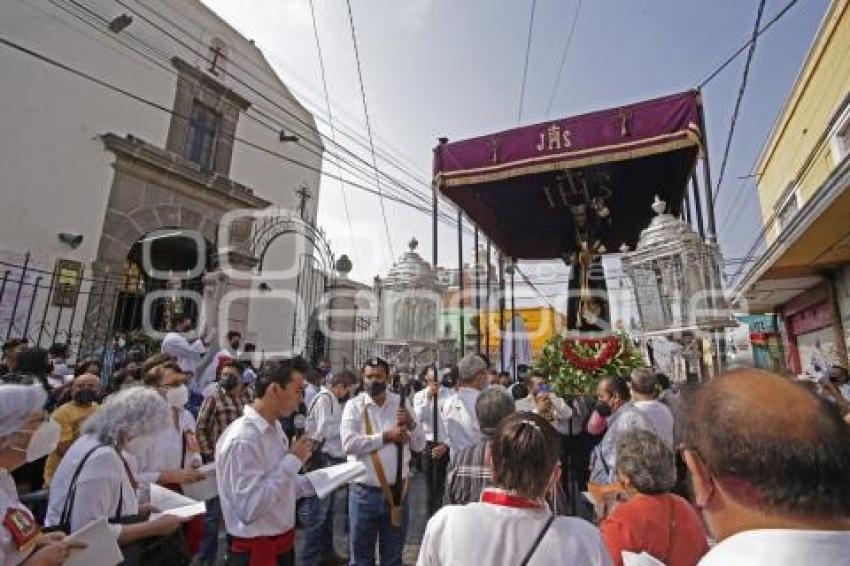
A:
(85, 396)
(602, 408)
(43, 441)
(229, 383)
(374, 388)
(177, 397)
(344, 398)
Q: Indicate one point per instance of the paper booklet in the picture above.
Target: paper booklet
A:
(101, 546)
(326, 480)
(642, 559)
(172, 503)
(205, 489)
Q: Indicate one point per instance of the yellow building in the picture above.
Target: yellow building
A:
(803, 272)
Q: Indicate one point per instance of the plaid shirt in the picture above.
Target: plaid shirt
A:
(468, 475)
(217, 412)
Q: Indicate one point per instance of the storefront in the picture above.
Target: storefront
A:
(812, 331)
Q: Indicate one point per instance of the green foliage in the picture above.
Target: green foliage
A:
(567, 379)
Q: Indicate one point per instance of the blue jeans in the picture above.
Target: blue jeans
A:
(317, 516)
(370, 520)
(212, 520)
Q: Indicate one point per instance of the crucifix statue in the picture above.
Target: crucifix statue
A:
(217, 53)
(304, 194)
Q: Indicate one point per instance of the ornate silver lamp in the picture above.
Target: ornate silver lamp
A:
(676, 278)
(409, 304)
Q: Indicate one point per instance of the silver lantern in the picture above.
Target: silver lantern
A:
(676, 278)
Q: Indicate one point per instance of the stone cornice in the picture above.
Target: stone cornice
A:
(141, 152)
(209, 83)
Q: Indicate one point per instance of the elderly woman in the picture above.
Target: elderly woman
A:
(652, 519)
(512, 523)
(24, 435)
(94, 481)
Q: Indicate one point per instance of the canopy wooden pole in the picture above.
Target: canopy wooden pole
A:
(460, 279)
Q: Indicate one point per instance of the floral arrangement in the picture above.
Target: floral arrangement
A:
(575, 365)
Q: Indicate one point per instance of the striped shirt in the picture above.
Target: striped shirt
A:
(217, 412)
(468, 475)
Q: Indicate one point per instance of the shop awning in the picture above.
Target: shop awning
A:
(518, 186)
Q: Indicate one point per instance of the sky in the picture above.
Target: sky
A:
(453, 68)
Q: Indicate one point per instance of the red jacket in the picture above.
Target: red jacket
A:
(665, 526)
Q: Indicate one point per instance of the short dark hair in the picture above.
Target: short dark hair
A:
(153, 376)
(156, 360)
(250, 347)
(800, 470)
(525, 450)
(281, 373)
(663, 381)
(344, 376)
(228, 363)
(13, 343)
(616, 385)
(33, 361)
(234, 334)
(58, 350)
(376, 362)
(80, 368)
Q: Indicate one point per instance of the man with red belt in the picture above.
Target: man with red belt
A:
(257, 472)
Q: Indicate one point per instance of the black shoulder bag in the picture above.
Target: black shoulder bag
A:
(537, 541)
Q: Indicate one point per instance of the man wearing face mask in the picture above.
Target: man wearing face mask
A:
(257, 472)
(614, 398)
(768, 463)
(24, 435)
(85, 390)
(219, 410)
(377, 431)
(324, 415)
(428, 404)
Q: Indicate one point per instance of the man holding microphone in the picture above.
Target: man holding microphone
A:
(379, 431)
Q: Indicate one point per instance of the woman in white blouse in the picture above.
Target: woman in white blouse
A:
(21, 416)
(512, 523)
(105, 486)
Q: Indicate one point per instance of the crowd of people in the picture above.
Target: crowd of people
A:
(749, 468)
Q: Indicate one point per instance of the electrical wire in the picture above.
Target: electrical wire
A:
(525, 65)
(719, 69)
(738, 101)
(563, 60)
(330, 119)
(368, 123)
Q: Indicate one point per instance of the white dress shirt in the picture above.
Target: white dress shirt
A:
(310, 391)
(257, 477)
(563, 413)
(461, 422)
(188, 355)
(781, 547)
(102, 483)
(483, 533)
(9, 555)
(161, 451)
(660, 416)
(423, 406)
(358, 444)
(324, 416)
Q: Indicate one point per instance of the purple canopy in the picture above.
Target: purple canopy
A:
(519, 185)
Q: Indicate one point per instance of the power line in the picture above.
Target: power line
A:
(330, 119)
(368, 124)
(738, 100)
(525, 66)
(741, 49)
(563, 59)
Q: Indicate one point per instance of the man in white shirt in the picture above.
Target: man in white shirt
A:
(378, 431)
(428, 405)
(314, 385)
(543, 401)
(459, 411)
(769, 463)
(186, 354)
(324, 415)
(644, 398)
(257, 473)
(229, 352)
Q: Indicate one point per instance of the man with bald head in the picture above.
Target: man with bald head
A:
(770, 468)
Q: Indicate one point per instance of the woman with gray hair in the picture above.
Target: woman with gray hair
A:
(94, 481)
(652, 519)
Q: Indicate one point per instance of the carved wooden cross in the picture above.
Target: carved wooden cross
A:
(304, 194)
(216, 53)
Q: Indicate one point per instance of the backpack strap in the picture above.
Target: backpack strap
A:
(538, 540)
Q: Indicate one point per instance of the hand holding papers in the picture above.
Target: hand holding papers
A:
(326, 480)
(205, 489)
(101, 546)
(172, 503)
